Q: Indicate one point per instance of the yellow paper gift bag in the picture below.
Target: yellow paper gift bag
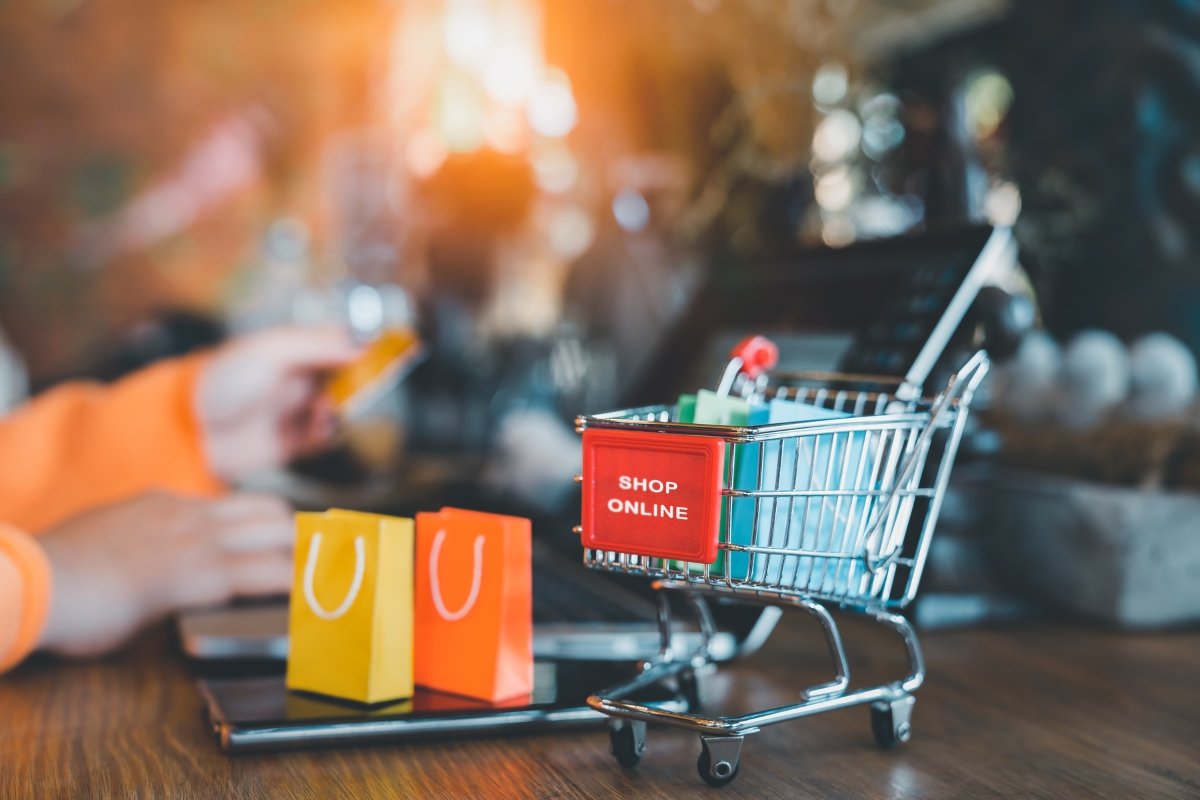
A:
(350, 621)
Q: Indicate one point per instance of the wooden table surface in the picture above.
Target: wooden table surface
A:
(1037, 711)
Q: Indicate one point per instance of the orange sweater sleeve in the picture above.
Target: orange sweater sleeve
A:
(83, 445)
(24, 595)
(79, 446)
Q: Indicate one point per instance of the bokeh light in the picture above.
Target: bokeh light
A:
(631, 210)
(837, 136)
(511, 73)
(424, 153)
(571, 231)
(1002, 204)
(882, 129)
(467, 32)
(552, 111)
(987, 99)
(838, 231)
(830, 84)
(460, 114)
(555, 169)
(364, 307)
(505, 130)
(835, 189)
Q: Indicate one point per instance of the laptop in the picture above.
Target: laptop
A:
(893, 308)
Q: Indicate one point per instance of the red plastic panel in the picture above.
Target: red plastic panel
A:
(652, 494)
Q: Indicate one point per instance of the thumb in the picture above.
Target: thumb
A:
(304, 348)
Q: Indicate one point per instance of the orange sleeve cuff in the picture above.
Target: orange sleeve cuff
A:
(25, 588)
(83, 445)
(197, 476)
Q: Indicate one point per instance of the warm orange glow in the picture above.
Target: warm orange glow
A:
(474, 73)
(425, 153)
(552, 111)
(511, 73)
(506, 131)
(459, 109)
(467, 32)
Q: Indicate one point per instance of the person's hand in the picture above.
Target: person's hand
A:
(121, 566)
(259, 398)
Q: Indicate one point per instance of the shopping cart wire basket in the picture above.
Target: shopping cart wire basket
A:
(833, 510)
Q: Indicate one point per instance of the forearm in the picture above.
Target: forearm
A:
(84, 445)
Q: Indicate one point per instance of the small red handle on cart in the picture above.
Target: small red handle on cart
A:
(758, 354)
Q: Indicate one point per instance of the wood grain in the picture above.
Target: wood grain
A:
(1044, 711)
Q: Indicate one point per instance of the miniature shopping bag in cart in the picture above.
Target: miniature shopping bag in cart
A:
(832, 508)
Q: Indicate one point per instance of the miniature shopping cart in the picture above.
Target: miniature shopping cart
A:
(833, 511)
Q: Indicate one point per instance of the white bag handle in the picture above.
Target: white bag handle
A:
(435, 586)
(310, 568)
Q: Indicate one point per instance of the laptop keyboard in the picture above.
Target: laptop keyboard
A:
(564, 591)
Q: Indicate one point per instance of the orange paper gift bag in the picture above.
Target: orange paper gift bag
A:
(474, 604)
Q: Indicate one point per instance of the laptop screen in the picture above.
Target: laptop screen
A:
(885, 307)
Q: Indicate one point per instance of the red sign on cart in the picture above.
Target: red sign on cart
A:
(652, 494)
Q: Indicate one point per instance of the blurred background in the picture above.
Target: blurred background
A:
(541, 187)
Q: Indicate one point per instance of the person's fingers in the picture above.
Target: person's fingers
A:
(308, 347)
(249, 507)
(263, 573)
(316, 429)
(257, 536)
(214, 577)
(249, 523)
(205, 584)
(310, 429)
(295, 392)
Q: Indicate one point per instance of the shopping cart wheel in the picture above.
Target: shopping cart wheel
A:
(891, 721)
(718, 763)
(627, 741)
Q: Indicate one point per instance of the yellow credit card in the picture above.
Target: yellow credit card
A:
(383, 364)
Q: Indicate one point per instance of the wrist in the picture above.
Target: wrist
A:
(215, 448)
(25, 596)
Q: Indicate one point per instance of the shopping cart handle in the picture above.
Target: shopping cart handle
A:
(757, 353)
(961, 388)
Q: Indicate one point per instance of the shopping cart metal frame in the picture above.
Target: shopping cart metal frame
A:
(903, 426)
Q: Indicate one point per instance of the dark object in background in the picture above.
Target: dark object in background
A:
(1003, 319)
(1101, 139)
(475, 200)
(337, 466)
(887, 296)
(166, 334)
(1103, 144)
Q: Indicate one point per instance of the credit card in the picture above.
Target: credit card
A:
(385, 362)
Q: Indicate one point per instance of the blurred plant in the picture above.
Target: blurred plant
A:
(1104, 132)
(801, 129)
(759, 58)
(144, 147)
